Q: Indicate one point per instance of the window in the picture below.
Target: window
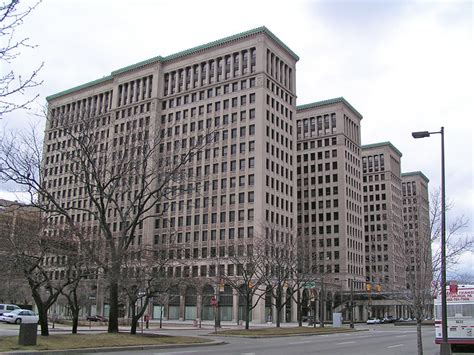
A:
(251, 146)
(251, 163)
(250, 214)
(251, 180)
(250, 197)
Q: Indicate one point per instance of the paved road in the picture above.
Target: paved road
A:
(386, 339)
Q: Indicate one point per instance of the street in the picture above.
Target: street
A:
(379, 339)
(374, 340)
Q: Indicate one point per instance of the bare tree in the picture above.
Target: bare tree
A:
(423, 260)
(12, 84)
(144, 277)
(77, 288)
(302, 280)
(280, 262)
(249, 277)
(40, 257)
(115, 178)
(457, 242)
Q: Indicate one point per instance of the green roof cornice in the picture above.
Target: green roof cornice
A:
(416, 173)
(190, 51)
(156, 59)
(229, 39)
(328, 102)
(382, 144)
(80, 87)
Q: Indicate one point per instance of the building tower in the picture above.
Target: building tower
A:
(241, 187)
(383, 228)
(416, 229)
(329, 183)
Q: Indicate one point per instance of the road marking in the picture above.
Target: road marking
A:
(394, 346)
(400, 336)
(300, 342)
(346, 342)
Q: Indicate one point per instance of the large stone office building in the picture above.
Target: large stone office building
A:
(243, 89)
(274, 171)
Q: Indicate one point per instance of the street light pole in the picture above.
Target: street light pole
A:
(351, 306)
(445, 348)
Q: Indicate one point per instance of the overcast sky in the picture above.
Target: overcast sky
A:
(404, 65)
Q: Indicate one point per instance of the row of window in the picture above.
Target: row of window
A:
(135, 90)
(210, 71)
(78, 110)
(212, 218)
(208, 94)
(279, 70)
(283, 94)
(316, 126)
(322, 230)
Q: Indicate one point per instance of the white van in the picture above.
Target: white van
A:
(6, 308)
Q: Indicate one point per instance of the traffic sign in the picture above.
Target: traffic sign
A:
(213, 301)
(310, 285)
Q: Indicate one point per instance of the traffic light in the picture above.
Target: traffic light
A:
(368, 287)
(250, 284)
(378, 288)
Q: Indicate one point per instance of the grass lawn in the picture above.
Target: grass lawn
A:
(265, 332)
(77, 341)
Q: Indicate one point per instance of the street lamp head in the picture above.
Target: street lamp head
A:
(421, 134)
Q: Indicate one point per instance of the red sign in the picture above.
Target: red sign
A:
(213, 301)
(453, 287)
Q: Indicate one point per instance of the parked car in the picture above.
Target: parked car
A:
(373, 321)
(6, 308)
(388, 319)
(20, 315)
(97, 318)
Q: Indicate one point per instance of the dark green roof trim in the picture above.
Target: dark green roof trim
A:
(416, 173)
(382, 144)
(80, 87)
(225, 40)
(138, 65)
(329, 102)
(160, 59)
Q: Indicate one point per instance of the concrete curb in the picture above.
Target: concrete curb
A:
(113, 349)
(284, 335)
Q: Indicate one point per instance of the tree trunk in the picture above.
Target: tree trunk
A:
(75, 321)
(278, 309)
(298, 309)
(43, 319)
(247, 312)
(42, 313)
(133, 327)
(113, 301)
(419, 339)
